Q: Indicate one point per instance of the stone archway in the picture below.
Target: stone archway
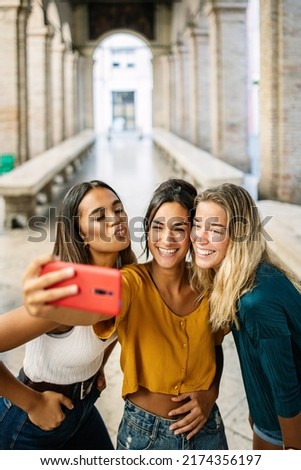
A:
(123, 83)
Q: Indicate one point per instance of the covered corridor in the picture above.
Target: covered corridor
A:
(225, 74)
(200, 94)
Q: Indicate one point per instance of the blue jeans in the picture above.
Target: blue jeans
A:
(140, 430)
(82, 428)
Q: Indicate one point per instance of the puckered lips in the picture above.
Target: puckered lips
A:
(121, 231)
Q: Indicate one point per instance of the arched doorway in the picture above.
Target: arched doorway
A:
(122, 86)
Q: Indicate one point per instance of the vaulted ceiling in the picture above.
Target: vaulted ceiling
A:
(137, 15)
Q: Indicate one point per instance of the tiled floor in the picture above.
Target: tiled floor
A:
(134, 169)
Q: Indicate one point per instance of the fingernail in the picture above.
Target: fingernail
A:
(69, 271)
(73, 289)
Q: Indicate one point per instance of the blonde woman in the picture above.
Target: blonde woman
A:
(259, 299)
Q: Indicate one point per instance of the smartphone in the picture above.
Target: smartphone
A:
(99, 287)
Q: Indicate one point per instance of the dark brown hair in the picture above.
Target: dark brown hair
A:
(69, 244)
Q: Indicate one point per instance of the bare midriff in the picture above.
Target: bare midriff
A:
(159, 404)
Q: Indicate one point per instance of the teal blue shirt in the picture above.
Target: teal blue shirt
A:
(269, 347)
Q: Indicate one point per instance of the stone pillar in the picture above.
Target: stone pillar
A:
(13, 79)
(173, 92)
(228, 77)
(80, 92)
(161, 91)
(183, 118)
(166, 92)
(58, 98)
(199, 102)
(280, 100)
(157, 92)
(70, 91)
(89, 114)
(75, 94)
(85, 90)
(39, 89)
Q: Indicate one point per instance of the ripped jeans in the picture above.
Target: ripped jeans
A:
(141, 430)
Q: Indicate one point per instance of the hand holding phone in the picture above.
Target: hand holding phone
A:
(99, 288)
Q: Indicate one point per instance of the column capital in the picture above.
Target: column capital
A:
(42, 31)
(158, 49)
(214, 5)
(196, 31)
(179, 48)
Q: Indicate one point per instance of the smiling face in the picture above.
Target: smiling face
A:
(209, 235)
(103, 224)
(169, 234)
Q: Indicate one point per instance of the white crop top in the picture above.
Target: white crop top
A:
(65, 358)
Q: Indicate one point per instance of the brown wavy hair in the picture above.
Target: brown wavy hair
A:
(69, 244)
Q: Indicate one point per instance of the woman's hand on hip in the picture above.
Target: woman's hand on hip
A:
(197, 411)
(46, 412)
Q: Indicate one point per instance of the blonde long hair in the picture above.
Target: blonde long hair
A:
(247, 248)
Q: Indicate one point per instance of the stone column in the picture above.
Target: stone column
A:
(183, 118)
(13, 79)
(227, 24)
(87, 83)
(70, 83)
(58, 98)
(166, 94)
(173, 92)
(80, 92)
(157, 101)
(280, 100)
(39, 89)
(161, 91)
(180, 85)
(199, 102)
(75, 94)
(89, 93)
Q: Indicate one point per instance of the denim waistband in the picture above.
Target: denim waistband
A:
(148, 420)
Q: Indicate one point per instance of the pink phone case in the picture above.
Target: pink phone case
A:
(99, 287)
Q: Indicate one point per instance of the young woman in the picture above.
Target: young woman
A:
(169, 355)
(256, 296)
(92, 229)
